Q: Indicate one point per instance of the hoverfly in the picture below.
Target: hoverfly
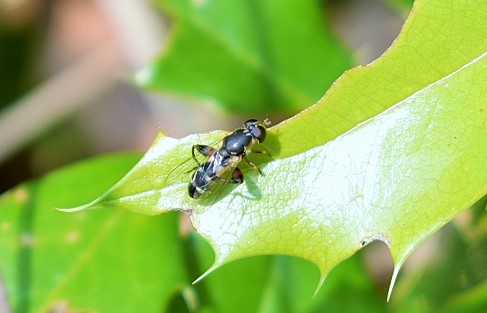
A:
(225, 160)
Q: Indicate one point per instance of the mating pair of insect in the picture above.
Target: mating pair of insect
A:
(221, 164)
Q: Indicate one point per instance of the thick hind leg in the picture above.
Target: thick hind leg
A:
(249, 162)
(255, 167)
(237, 176)
(207, 151)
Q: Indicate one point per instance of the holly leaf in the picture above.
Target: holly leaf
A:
(437, 39)
(269, 51)
(392, 152)
(107, 261)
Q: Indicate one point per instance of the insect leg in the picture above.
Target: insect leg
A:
(237, 176)
(255, 167)
(261, 152)
(193, 169)
(204, 150)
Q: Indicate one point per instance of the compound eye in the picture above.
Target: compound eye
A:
(258, 132)
(250, 123)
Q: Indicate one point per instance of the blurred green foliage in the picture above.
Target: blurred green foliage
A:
(14, 60)
(275, 56)
(115, 261)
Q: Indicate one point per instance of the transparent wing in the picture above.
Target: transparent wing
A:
(179, 172)
(183, 171)
(221, 187)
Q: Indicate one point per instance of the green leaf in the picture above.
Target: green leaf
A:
(396, 178)
(438, 38)
(259, 56)
(393, 152)
(105, 261)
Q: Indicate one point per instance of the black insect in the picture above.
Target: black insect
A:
(219, 162)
